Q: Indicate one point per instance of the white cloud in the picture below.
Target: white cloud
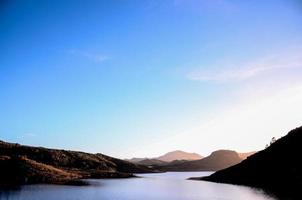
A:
(264, 66)
(98, 58)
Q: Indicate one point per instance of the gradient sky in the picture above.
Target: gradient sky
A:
(140, 78)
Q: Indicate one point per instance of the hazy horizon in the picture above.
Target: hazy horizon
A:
(143, 78)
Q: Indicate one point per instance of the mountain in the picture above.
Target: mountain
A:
(168, 157)
(179, 155)
(244, 156)
(277, 169)
(152, 162)
(217, 160)
(26, 165)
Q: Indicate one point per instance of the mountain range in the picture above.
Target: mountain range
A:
(217, 160)
(183, 161)
(20, 164)
(170, 156)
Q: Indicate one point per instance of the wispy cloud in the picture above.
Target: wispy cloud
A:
(249, 70)
(98, 58)
(28, 135)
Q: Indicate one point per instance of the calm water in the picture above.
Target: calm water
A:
(163, 186)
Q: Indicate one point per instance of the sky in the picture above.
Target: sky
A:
(141, 78)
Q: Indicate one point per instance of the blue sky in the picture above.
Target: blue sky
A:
(139, 78)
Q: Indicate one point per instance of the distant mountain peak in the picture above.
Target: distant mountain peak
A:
(179, 155)
(222, 151)
(217, 160)
(170, 156)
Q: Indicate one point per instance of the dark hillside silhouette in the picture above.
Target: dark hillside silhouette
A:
(26, 165)
(277, 169)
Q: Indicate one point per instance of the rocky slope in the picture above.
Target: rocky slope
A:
(277, 169)
(24, 164)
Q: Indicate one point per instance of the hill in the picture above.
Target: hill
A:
(166, 158)
(179, 155)
(277, 169)
(21, 164)
(152, 162)
(217, 160)
(244, 156)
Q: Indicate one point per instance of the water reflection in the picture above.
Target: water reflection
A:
(172, 185)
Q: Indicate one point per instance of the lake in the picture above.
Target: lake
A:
(160, 186)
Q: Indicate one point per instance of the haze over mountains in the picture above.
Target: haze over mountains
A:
(168, 158)
(179, 155)
(183, 161)
(171, 156)
(217, 160)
